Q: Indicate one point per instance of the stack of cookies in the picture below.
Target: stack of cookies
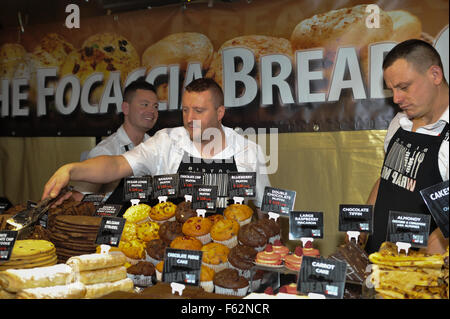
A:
(30, 253)
(74, 235)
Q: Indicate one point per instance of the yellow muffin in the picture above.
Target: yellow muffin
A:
(129, 232)
(186, 242)
(148, 231)
(215, 253)
(134, 249)
(163, 212)
(225, 232)
(137, 213)
(239, 212)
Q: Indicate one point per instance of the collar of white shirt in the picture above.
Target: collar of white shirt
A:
(436, 127)
(124, 140)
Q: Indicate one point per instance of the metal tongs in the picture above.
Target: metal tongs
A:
(29, 216)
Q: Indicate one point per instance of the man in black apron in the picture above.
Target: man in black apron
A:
(202, 144)
(413, 161)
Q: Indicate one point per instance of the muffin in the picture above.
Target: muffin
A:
(163, 212)
(215, 256)
(271, 228)
(225, 232)
(206, 278)
(215, 218)
(186, 242)
(168, 231)
(129, 232)
(148, 231)
(198, 227)
(252, 235)
(137, 213)
(133, 249)
(184, 211)
(239, 212)
(141, 273)
(155, 250)
(229, 282)
(159, 270)
(242, 259)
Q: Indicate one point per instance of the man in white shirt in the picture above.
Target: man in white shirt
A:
(202, 141)
(140, 113)
(417, 142)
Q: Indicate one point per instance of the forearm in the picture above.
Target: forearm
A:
(99, 170)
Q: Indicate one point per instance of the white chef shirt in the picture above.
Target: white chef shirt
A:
(401, 120)
(162, 154)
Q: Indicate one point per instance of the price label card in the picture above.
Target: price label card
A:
(182, 266)
(110, 231)
(5, 204)
(436, 198)
(356, 218)
(187, 180)
(108, 210)
(165, 185)
(137, 188)
(408, 228)
(7, 241)
(305, 224)
(96, 199)
(278, 201)
(204, 197)
(241, 184)
(322, 276)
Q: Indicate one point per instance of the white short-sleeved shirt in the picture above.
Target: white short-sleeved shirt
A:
(163, 153)
(401, 120)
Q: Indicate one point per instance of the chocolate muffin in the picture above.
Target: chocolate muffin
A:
(168, 231)
(155, 250)
(242, 257)
(252, 235)
(228, 282)
(142, 268)
(184, 211)
(270, 227)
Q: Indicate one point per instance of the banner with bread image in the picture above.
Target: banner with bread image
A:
(289, 65)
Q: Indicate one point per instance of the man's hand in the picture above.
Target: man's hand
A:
(60, 179)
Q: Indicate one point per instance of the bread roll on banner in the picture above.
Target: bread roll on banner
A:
(340, 28)
(179, 49)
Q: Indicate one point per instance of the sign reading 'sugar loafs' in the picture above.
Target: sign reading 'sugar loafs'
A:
(436, 198)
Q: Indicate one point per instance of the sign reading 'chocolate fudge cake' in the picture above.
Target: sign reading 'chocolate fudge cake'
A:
(408, 228)
(278, 201)
(305, 224)
(182, 266)
(356, 218)
(241, 184)
(436, 198)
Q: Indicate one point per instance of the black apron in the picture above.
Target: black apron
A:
(214, 173)
(410, 165)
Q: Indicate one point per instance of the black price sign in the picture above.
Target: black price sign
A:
(137, 188)
(204, 197)
(305, 224)
(187, 180)
(96, 199)
(242, 184)
(7, 240)
(408, 228)
(278, 201)
(110, 231)
(5, 204)
(356, 218)
(165, 185)
(182, 266)
(108, 210)
(436, 198)
(322, 276)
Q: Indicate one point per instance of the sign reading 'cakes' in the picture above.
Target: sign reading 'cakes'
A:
(241, 184)
(137, 188)
(322, 276)
(7, 240)
(187, 180)
(110, 231)
(436, 198)
(408, 228)
(305, 224)
(165, 185)
(278, 201)
(182, 266)
(356, 218)
(204, 197)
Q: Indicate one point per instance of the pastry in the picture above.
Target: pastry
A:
(229, 282)
(101, 289)
(90, 277)
(133, 249)
(268, 257)
(168, 231)
(225, 232)
(163, 212)
(159, 270)
(96, 261)
(289, 289)
(129, 232)
(184, 211)
(155, 250)
(137, 213)
(271, 228)
(309, 250)
(240, 212)
(74, 290)
(141, 273)
(242, 258)
(186, 242)
(253, 236)
(206, 278)
(215, 256)
(148, 231)
(198, 227)
(214, 218)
